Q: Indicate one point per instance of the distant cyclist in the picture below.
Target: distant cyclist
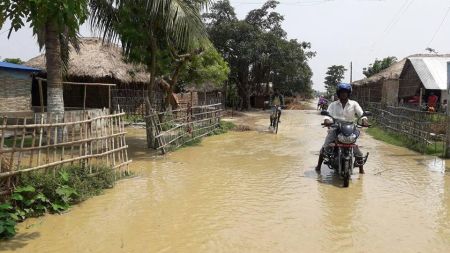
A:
(276, 102)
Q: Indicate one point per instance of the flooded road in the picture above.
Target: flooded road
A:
(258, 192)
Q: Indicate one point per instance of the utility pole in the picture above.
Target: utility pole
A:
(447, 145)
(351, 72)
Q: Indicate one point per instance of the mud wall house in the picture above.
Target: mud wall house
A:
(15, 89)
(380, 88)
(99, 62)
(424, 74)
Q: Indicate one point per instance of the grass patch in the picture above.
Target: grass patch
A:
(133, 118)
(224, 127)
(390, 137)
(8, 142)
(192, 143)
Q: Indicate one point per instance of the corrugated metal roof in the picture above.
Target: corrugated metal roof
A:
(432, 71)
(8, 65)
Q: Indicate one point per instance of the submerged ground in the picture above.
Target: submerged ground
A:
(257, 192)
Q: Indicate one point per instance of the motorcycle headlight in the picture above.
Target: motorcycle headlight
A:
(347, 139)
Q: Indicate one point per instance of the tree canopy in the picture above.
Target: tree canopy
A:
(13, 60)
(334, 76)
(258, 51)
(208, 67)
(379, 65)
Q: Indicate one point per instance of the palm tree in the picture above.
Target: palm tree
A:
(145, 27)
(55, 23)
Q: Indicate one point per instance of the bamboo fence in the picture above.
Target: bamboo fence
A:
(30, 144)
(420, 127)
(172, 129)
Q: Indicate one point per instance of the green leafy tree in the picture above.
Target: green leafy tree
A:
(258, 51)
(208, 67)
(55, 24)
(335, 74)
(13, 60)
(379, 65)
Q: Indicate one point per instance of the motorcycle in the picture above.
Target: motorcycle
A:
(339, 156)
(323, 106)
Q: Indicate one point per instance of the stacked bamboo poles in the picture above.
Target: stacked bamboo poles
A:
(183, 125)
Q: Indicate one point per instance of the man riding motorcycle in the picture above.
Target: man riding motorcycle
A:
(321, 105)
(276, 101)
(343, 109)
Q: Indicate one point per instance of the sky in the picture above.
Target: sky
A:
(340, 31)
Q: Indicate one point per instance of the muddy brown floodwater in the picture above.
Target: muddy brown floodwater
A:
(257, 192)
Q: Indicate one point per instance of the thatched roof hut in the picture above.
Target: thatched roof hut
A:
(98, 62)
(381, 87)
(393, 72)
(402, 79)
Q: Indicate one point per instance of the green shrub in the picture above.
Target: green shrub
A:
(39, 192)
(133, 118)
(224, 127)
(7, 220)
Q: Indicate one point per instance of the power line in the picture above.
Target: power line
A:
(396, 18)
(440, 26)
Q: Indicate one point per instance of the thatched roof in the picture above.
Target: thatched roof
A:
(98, 61)
(393, 72)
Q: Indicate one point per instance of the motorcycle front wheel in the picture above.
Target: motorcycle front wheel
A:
(346, 175)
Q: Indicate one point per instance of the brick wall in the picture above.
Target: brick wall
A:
(15, 91)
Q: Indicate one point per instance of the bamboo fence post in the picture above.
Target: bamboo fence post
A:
(80, 151)
(125, 144)
(63, 140)
(72, 153)
(85, 140)
(33, 144)
(89, 143)
(96, 137)
(2, 141)
(48, 135)
(19, 159)
(55, 140)
(8, 182)
(105, 134)
(14, 145)
(41, 130)
(120, 140)
(112, 141)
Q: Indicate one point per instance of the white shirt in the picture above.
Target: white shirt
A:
(348, 113)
